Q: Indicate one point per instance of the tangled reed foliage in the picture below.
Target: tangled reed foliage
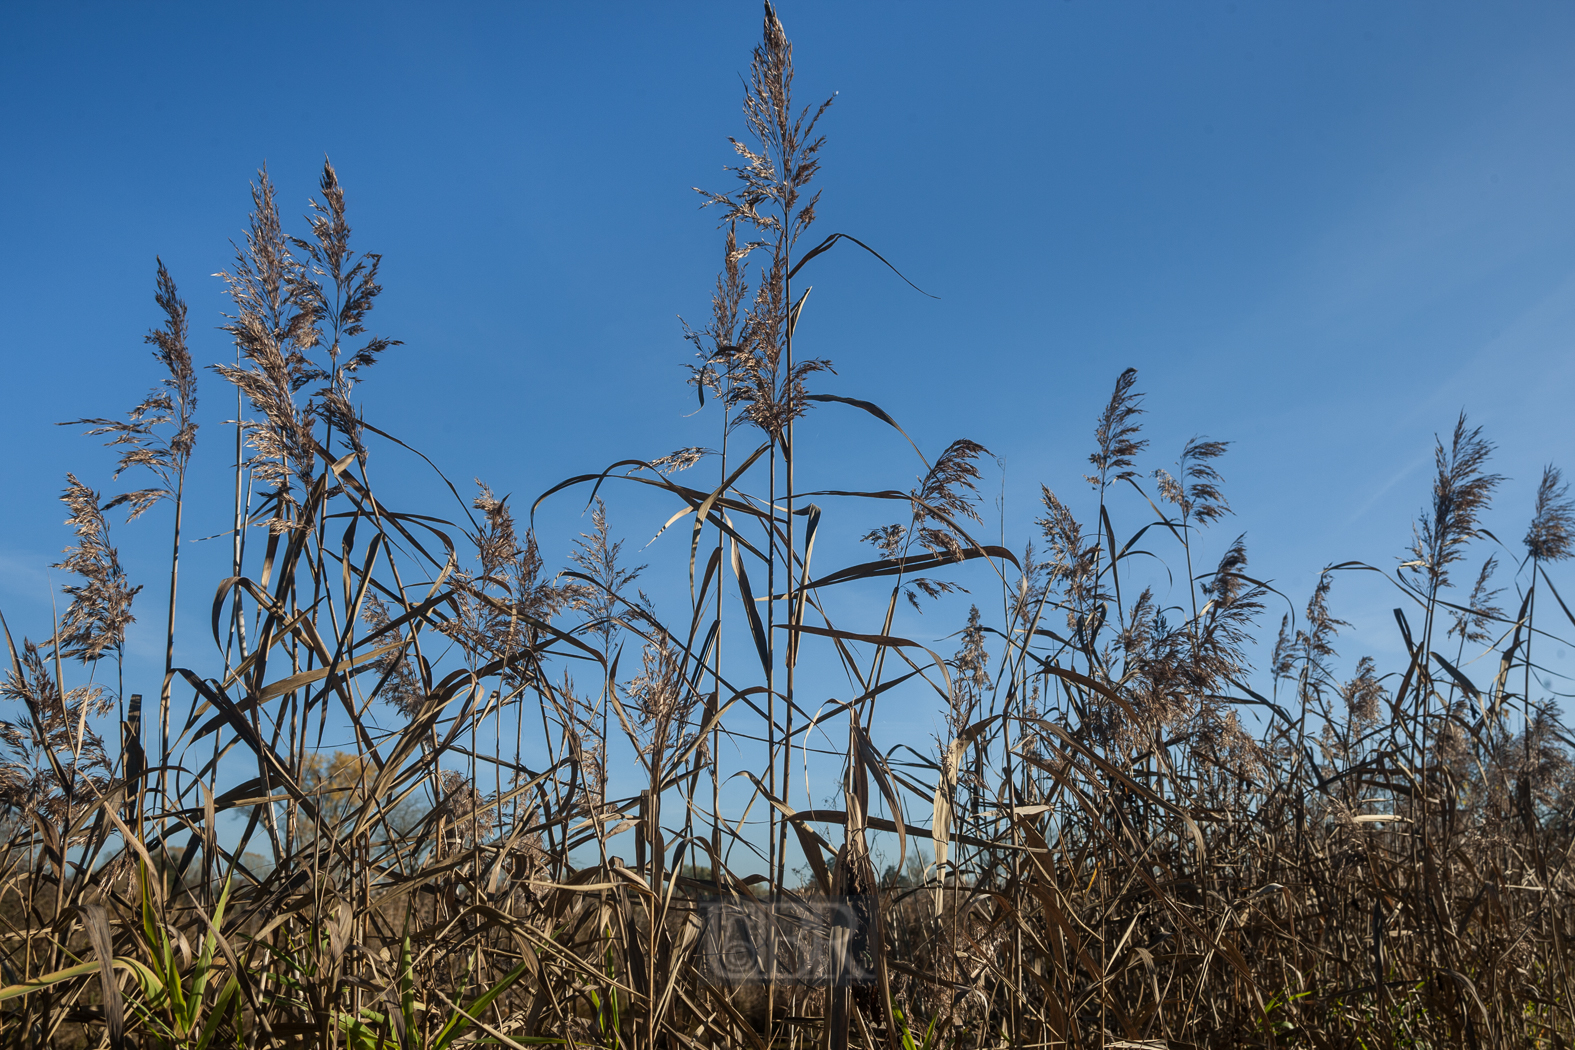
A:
(549, 779)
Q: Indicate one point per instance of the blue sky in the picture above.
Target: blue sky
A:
(1318, 230)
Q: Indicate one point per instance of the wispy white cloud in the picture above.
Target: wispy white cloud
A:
(1399, 476)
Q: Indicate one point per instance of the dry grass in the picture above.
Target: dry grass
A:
(1119, 858)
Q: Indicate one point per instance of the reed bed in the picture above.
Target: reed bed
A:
(1105, 850)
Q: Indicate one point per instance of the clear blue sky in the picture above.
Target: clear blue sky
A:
(1318, 230)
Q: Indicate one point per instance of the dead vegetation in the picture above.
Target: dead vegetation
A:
(1119, 857)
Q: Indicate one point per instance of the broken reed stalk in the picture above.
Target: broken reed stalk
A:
(1119, 858)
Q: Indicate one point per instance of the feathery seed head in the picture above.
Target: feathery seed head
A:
(1552, 531)
(1116, 433)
